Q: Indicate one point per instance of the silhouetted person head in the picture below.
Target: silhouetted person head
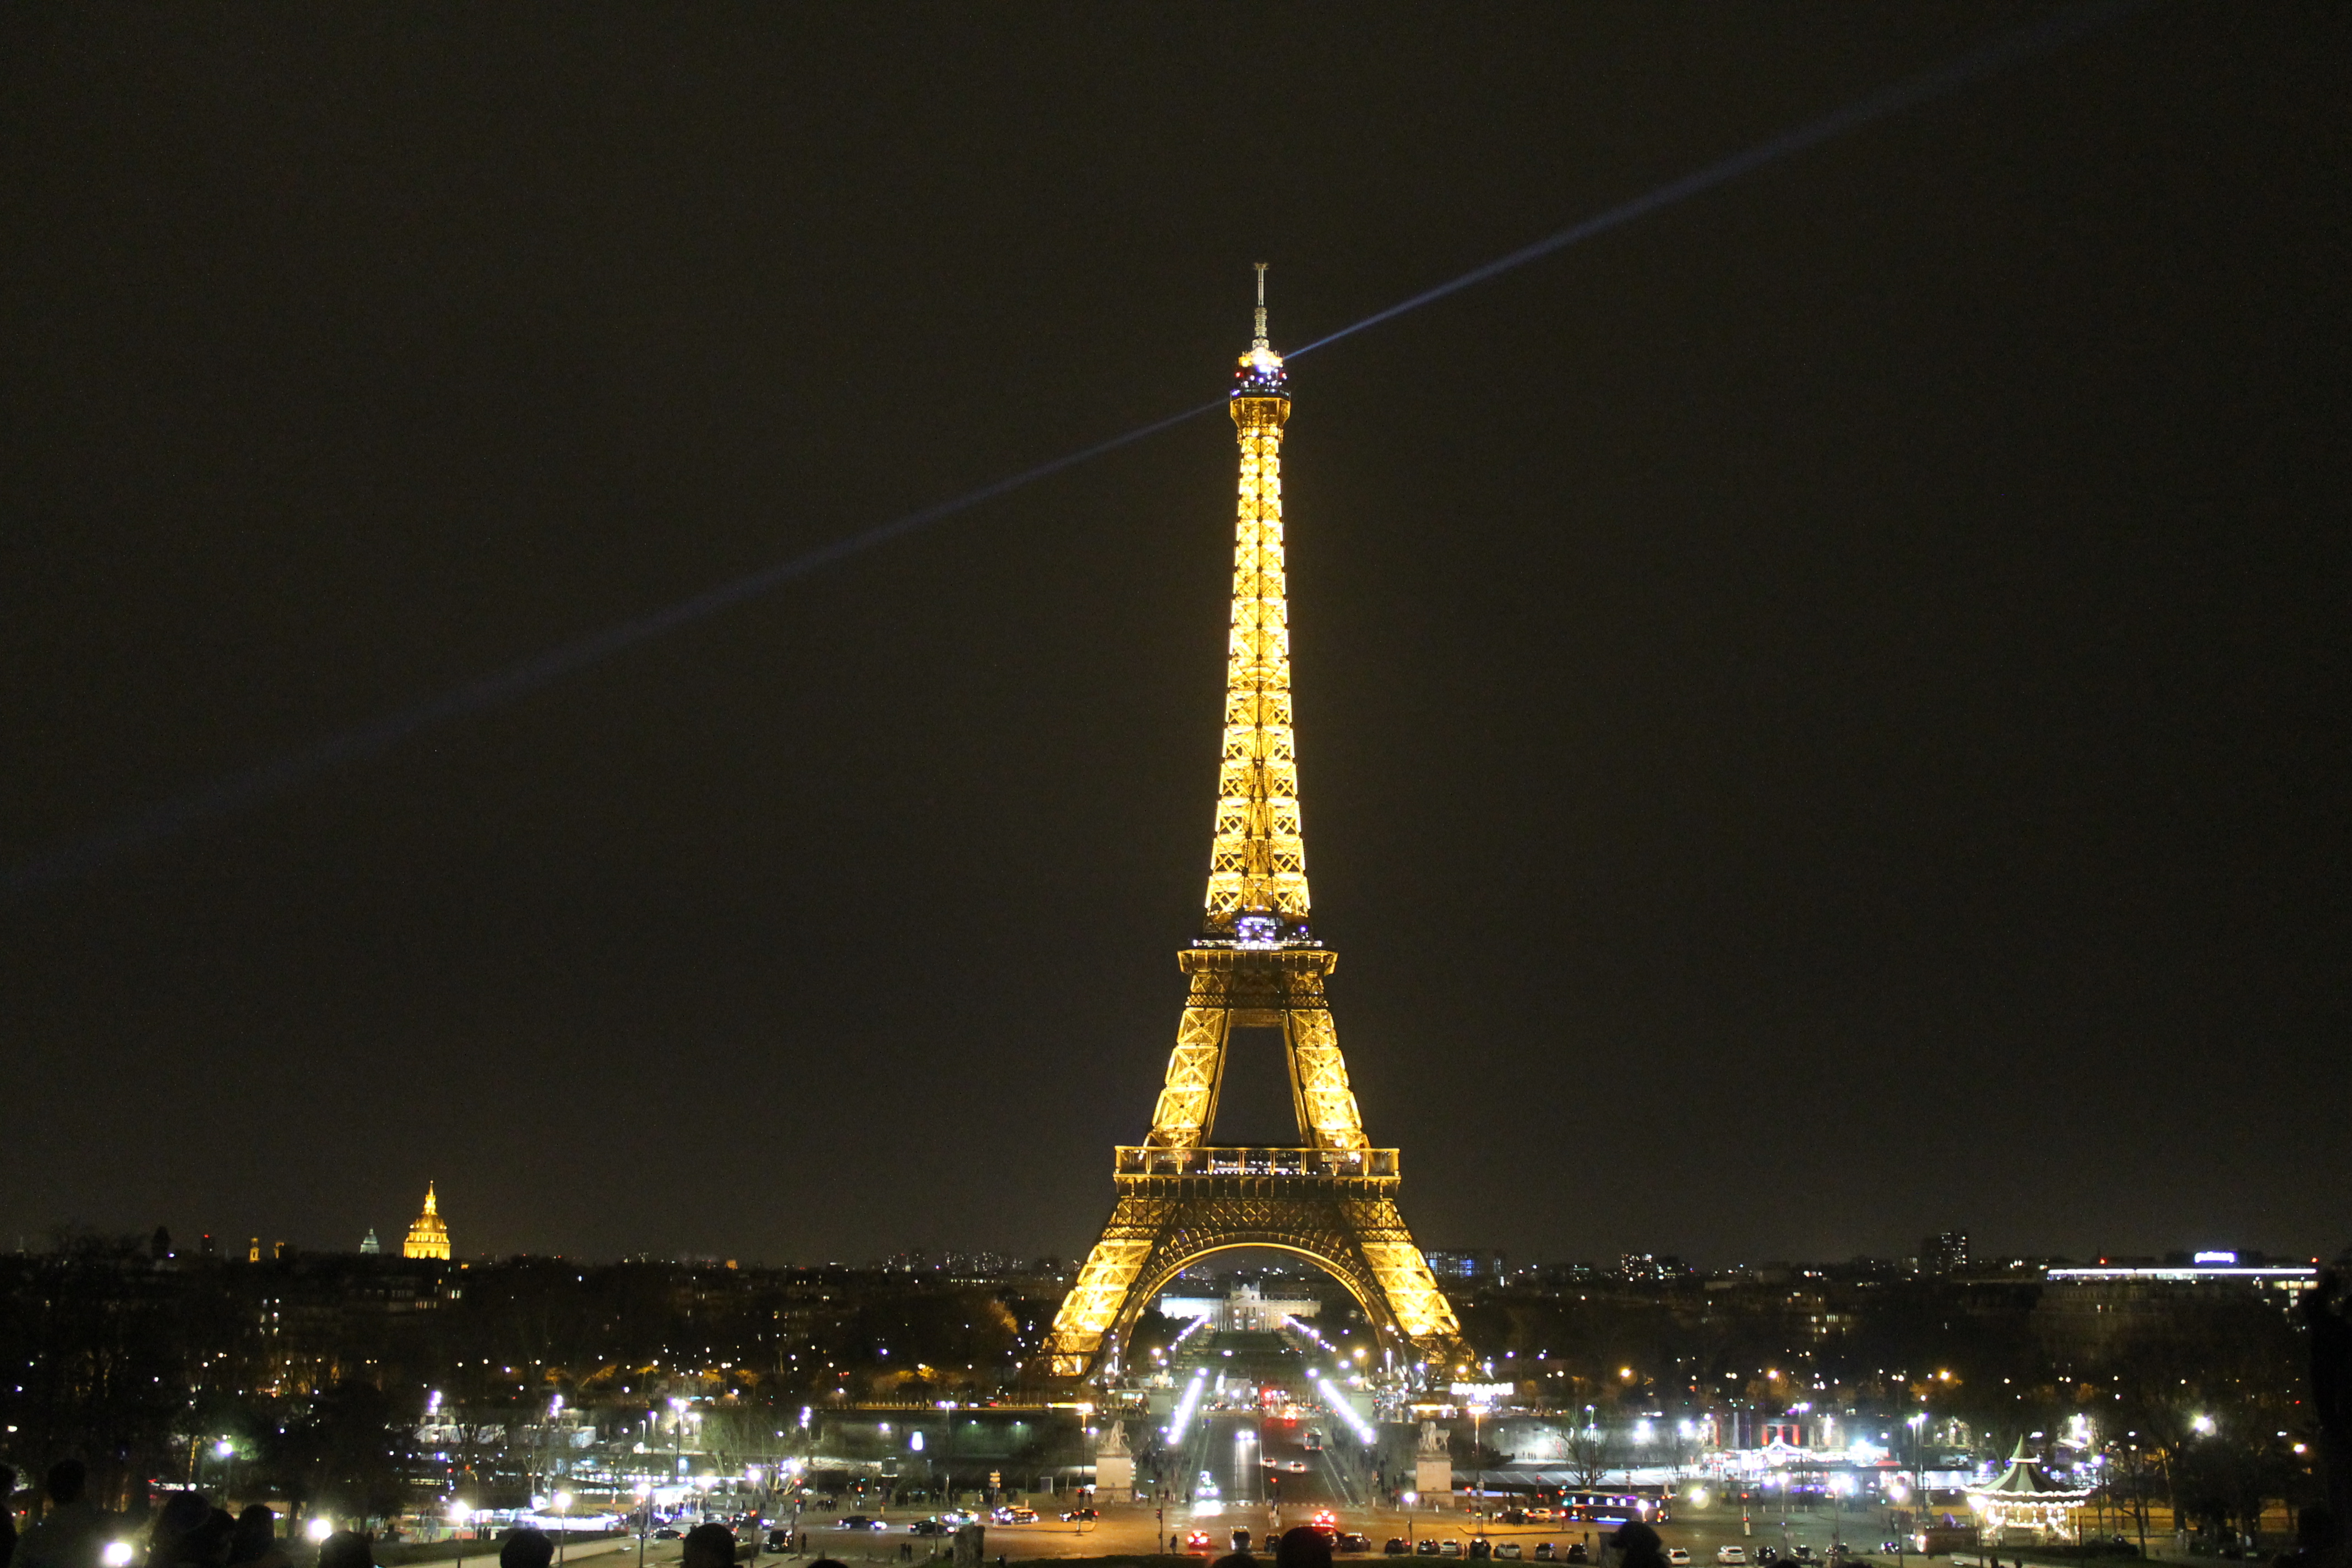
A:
(525, 1548)
(255, 1536)
(176, 1538)
(1304, 1547)
(347, 1548)
(708, 1546)
(1639, 1545)
(66, 1480)
(1239, 1557)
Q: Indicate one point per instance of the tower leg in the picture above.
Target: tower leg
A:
(1361, 1240)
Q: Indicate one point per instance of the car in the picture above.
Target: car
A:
(1077, 1515)
(1350, 1540)
(1197, 1540)
(1509, 1548)
(1295, 1467)
(1543, 1553)
(1396, 1546)
(1768, 1555)
(669, 1532)
(1481, 1548)
(1449, 1548)
(1425, 1547)
(926, 1526)
(1677, 1557)
(1016, 1516)
(1804, 1552)
(1325, 1519)
(1538, 1515)
(1576, 1553)
(859, 1521)
(1731, 1556)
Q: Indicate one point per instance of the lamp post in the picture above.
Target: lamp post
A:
(564, 1525)
(1918, 1425)
(458, 1514)
(1477, 1471)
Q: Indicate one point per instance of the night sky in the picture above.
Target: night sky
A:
(1823, 711)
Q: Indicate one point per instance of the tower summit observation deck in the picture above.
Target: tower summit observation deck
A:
(1256, 964)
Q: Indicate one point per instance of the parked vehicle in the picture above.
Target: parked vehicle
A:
(1350, 1540)
(1731, 1556)
(1543, 1553)
(1677, 1557)
(1509, 1548)
(1396, 1546)
(859, 1521)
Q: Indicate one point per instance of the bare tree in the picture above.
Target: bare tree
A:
(1592, 1453)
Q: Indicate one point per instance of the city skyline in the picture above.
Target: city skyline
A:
(1825, 699)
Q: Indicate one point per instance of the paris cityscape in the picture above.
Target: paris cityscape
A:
(628, 625)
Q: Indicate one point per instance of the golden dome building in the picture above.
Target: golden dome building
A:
(428, 1237)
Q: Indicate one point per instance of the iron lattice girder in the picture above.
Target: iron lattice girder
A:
(1257, 857)
(1281, 988)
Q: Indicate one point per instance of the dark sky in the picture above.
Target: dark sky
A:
(1821, 712)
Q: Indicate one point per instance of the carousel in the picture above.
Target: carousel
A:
(2025, 1497)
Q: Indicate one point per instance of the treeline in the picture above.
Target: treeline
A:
(314, 1372)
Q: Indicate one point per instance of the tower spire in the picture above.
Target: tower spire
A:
(1257, 860)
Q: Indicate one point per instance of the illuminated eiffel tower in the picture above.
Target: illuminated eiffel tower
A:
(1331, 1198)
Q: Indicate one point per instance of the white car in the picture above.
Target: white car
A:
(1677, 1558)
(1731, 1556)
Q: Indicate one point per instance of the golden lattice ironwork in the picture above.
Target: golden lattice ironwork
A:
(1256, 965)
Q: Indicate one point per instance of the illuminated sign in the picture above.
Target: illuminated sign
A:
(1480, 1393)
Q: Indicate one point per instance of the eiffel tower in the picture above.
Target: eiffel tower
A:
(1256, 964)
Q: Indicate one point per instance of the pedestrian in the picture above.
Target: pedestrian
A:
(72, 1532)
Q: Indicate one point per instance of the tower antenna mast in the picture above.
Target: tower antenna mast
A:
(1261, 342)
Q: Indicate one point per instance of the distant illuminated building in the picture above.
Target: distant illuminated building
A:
(1247, 1309)
(1946, 1252)
(1447, 1265)
(369, 1245)
(428, 1237)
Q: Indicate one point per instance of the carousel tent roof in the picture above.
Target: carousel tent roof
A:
(2025, 1482)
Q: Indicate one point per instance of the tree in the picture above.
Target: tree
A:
(1592, 1452)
